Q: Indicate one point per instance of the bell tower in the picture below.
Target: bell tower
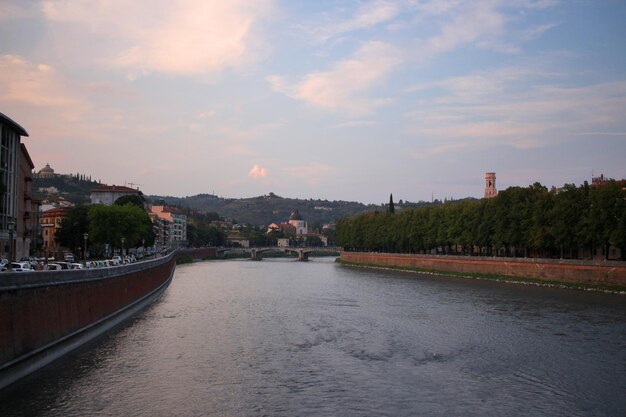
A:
(490, 185)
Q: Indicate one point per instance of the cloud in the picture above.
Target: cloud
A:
(344, 86)
(209, 114)
(257, 172)
(34, 84)
(480, 20)
(185, 37)
(368, 15)
(355, 123)
(517, 107)
(10, 11)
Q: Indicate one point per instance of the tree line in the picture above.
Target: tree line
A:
(531, 221)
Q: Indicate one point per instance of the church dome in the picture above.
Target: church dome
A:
(46, 170)
(296, 215)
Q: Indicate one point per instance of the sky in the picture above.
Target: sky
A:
(338, 100)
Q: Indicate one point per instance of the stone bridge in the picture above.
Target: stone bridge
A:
(303, 253)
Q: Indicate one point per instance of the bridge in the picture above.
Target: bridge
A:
(302, 252)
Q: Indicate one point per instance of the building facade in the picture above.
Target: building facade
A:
(172, 225)
(490, 185)
(50, 222)
(298, 222)
(11, 188)
(27, 208)
(107, 194)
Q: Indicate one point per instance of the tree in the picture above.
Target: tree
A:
(73, 226)
(392, 208)
(109, 224)
(314, 241)
(130, 199)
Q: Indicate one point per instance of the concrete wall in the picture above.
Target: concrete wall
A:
(597, 273)
(40, 308)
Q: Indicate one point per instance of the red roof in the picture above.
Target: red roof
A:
(55, 212)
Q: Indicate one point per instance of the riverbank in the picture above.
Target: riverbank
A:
(572, 274)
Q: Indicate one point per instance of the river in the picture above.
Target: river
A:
(287, 338)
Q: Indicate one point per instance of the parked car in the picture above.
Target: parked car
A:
(64, 265)
(21, 267)
(77, 265)
(54, 267)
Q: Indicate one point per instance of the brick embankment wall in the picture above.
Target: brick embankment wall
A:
(198, 253)
(568, 271)
(39, 308)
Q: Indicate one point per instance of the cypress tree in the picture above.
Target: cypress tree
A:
(391, 208)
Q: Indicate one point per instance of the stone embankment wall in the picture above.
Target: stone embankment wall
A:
(39, 309)
(199, 253)
(569, 271)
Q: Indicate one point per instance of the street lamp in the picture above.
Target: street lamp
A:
(123, 239)
(11, 228)
(85, 236)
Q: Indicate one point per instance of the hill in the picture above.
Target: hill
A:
(267, 209)
(261, 210)
(271, 208)
(74, 189)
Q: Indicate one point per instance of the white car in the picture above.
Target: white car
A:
(21, 267)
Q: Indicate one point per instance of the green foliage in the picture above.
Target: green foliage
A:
(201, 233)
(71, 188)
(133, 199)
(109, 224)
(520, 221)
(73, 226)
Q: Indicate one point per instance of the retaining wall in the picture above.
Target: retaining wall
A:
(570, 271)
(39, 310)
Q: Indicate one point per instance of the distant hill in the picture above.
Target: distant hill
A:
(72, 188)
(267, 209)
(262, 210)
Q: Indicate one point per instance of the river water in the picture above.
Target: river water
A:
(288, 338)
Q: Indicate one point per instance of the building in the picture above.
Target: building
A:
(285, 228)
(14, 190)
(296, 231)
(45, 172)
(107, 194)
(297, 221)
(175, 226)
(162, 229)
(490, 185)
(50, 222)
(27, 208)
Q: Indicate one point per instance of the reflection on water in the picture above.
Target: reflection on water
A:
(284, 338)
